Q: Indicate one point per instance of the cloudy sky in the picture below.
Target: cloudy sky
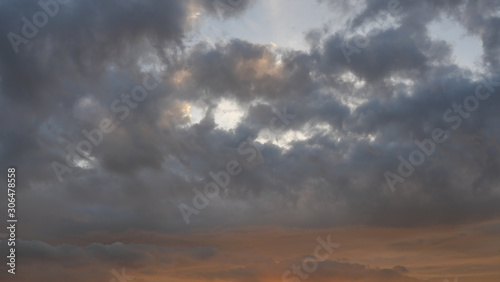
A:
(252, 140)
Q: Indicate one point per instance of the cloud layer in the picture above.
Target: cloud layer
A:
(318, 131)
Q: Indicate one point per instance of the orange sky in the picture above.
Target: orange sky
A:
(263, 253)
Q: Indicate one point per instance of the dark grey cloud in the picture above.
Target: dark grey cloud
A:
(355, 118)
(225, 8)
(74, 256)
(96, 260)
(330, 268)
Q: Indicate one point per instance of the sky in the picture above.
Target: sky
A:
(250, 140)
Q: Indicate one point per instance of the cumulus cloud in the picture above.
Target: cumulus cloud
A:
(352, 119)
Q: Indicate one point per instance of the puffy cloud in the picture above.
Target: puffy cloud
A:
(324, 128)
